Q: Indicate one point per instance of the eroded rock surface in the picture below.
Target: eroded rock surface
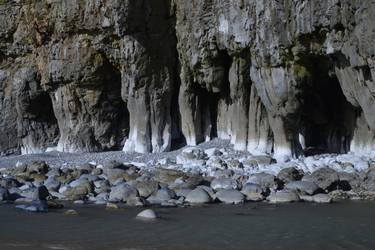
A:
(284, 77)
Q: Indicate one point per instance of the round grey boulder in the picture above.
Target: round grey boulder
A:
(230, 196)
(209, 190)
(264, 180)
(114, 174)
(122, 193)
(326, 178)
(283, 196)
(148, 214)
(322, 198)
(305, 197)
(161, 195)
(198, 196)
(147, 187)
(290, 174)
(303, 187)
(182, 192)
(253, 192)
(223, 183)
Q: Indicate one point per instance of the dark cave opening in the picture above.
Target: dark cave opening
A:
(327, 118)
(42, 108)
(42, 121)
(178, 140)
(37, 127)
(207, 107)
(113, 108)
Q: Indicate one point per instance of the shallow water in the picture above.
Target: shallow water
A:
(292, 226)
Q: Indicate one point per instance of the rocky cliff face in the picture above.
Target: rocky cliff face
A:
(283, 77)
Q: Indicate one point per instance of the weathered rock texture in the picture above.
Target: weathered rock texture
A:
(283, 77)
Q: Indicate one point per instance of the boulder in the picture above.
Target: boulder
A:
(230, 196)
(114, 174)
(302, 187)
(224, 183)
(264, 180)
(212, 152)
(339, 195)
(148, 214)
(78, 189)
(39, 167)
(304, 197)
(322, 198)
(191, 156)
(167, 176)
(162, 195)
(136, 202)
(188, 181)
(209, 190)
(198, 196)
(326, 178)
(182, 192)
(367, 184)
(146, 187)
(71, 212)
(54, 172)
(253, 192)
(283, 196)
(122, 193)
(290, 174)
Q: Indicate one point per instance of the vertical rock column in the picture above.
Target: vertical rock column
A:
(148, 74)
(190, 105)
(8, 122)
(233, 107)
(277, 88)
(358, 87)
(260, 138)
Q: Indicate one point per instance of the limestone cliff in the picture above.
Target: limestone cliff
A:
(286, 77)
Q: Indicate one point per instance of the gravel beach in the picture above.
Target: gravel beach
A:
(209, 173)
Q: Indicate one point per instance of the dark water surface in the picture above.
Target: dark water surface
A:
(293, 226)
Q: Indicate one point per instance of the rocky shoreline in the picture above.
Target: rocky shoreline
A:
(204, 174)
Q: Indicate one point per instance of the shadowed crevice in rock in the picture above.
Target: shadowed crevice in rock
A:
(114, 109)
(178, 139)
(36, 123)
(327, 119)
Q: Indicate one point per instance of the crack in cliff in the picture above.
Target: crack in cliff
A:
(327, 118)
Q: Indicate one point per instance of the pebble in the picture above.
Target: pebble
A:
(71, 212)
(111, 205)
